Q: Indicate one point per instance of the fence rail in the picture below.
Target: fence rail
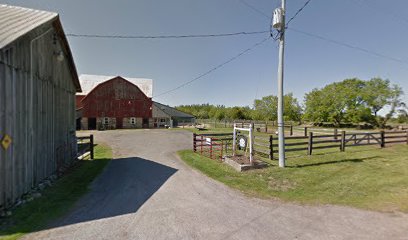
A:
(214, 145)
(341, 141)
(85, 145)
(259, 126)
(211, 145)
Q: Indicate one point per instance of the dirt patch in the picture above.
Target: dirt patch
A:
(244, 160)
(283, 185)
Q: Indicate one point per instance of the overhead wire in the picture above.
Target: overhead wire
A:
(297, 12)
(255, 9)
(271, 30)
(165, 36)
(275, 37)
(214, 68)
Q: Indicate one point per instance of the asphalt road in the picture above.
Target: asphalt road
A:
(146, 192)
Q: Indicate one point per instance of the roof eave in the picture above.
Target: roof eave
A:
(64, 42)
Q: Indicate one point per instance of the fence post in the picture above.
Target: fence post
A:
(407, 136)
(222, 149)
(335, 133)
(305, 131)
(211, 148)
(266, 126)
(291, 130)
(91, 142)
(194, 142)
(382, 139)
(343, 141)
(225, 123)
(201, 145)
(234, 140)
(310, 144)
(251, 143)
(271, 147)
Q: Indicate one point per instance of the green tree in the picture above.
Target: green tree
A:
(292, 109)
(377, 95)
(326, 105)
(267, 108)
(353, 101)
(402, 115)
(235, 113)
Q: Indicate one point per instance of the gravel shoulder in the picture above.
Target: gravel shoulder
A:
(146, 192)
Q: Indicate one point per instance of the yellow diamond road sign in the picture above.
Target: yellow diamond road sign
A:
(6, 141)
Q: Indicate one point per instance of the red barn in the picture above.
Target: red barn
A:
(114, 103)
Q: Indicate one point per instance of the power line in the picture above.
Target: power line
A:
(298, 11)
(164, 36)
(265, 15)
(255, 9)
(350, 46)
(213, 69)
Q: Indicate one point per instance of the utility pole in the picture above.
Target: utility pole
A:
(279, 23)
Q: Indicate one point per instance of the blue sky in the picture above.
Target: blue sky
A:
(376, 25)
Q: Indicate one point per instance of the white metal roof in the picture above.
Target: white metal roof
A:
(89, 82)
(17, 21)
(172, 111)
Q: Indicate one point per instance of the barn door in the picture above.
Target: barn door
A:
(119, 123)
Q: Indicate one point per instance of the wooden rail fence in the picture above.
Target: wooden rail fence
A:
(214, 145)
(259, 126)
(341, 141)
(85, 145)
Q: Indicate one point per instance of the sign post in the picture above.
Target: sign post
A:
(250, 137)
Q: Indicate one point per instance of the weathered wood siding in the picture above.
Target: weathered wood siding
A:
(37, 109)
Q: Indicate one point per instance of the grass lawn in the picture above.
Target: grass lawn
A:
(364, 177)
(56, 200)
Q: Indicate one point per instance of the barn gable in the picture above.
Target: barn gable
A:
(89, 82)
(20, 24)
(38, 81)
(120, 102)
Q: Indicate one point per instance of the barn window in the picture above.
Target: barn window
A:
(106, 120)
(132, 120)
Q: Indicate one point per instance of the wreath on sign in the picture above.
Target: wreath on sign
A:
(242, 142)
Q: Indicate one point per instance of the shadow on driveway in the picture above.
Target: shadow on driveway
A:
(122, 188)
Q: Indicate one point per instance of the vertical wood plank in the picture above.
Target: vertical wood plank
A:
(343, 141)
(310, 144)
(382, 139)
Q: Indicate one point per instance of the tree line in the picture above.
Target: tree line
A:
(351, 101)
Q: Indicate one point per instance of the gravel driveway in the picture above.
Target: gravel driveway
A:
(146, 192)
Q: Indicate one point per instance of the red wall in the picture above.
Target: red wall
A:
(78, 101)
(116, 98)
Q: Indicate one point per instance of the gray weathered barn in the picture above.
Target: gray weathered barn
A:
(38, 82)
